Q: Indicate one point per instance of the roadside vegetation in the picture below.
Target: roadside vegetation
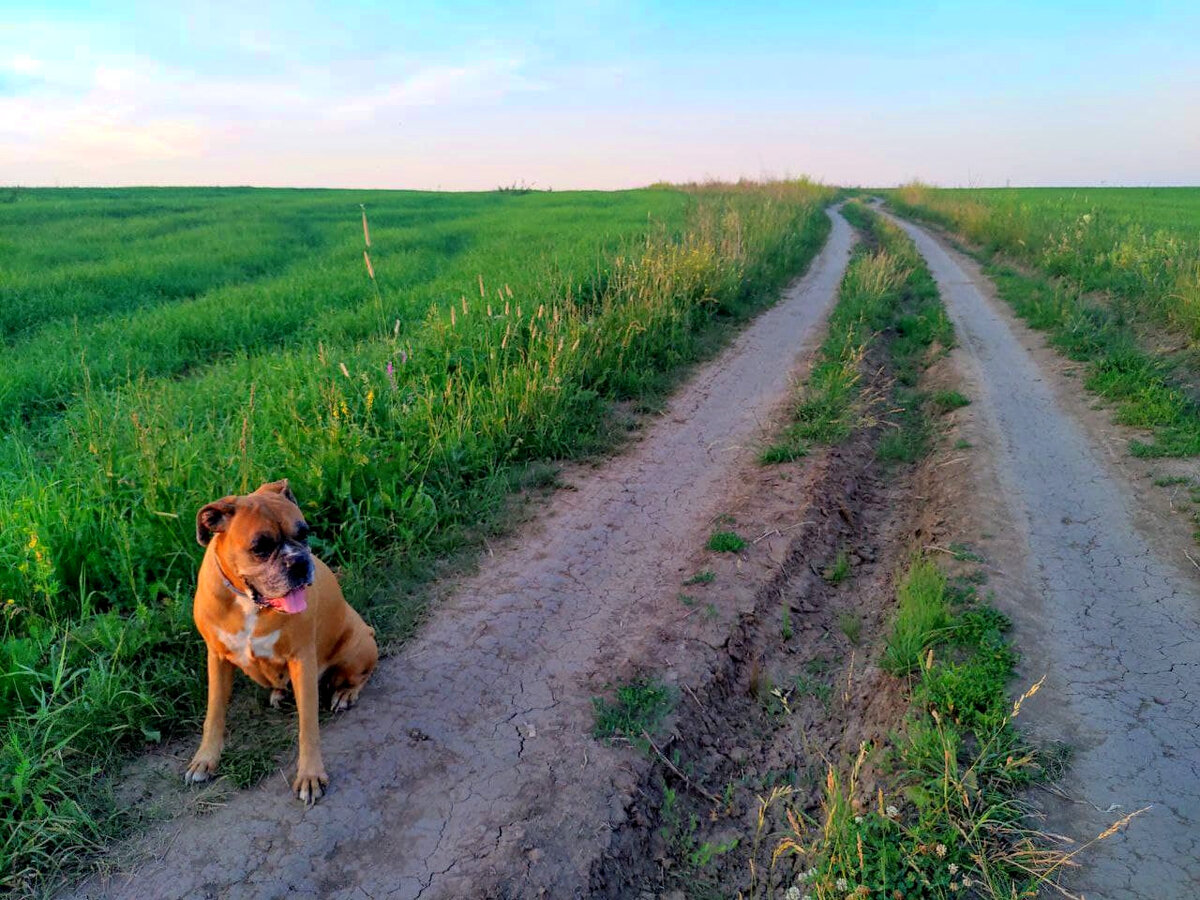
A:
(1112, 275)
(493, 333)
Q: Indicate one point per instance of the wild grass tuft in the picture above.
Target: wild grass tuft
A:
(922, 612)
(726, 542)
(838, 570)
(637, 708)
(948, 821)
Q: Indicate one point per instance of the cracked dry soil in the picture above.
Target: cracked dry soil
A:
(1104, 608)
(503, 792)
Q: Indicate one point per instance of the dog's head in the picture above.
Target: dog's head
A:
(264, 544)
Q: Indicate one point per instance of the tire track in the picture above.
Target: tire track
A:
(468, 768)
(1109, 619)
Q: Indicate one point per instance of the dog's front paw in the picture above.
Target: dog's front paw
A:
(310, 786)
(202, 768)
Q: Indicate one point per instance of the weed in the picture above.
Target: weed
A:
(785, 625)
(819, 665)
(726, 542)
(922, 612)
(909, 440)
(789, 448)
(638, 707)
(839, 570)
(686, 599)
(680, 836)
(1170, 480)
(950, 825)
(704, 576)
(964, 553)
(945, 401)
(851, 626)
(808, 685)
(963, 444)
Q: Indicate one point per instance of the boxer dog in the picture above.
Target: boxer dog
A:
(269, 607)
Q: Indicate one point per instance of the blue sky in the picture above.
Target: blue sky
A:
(598, 94)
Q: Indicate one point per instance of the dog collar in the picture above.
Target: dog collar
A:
(245, 595)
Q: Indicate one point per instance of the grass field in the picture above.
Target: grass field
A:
(1112, 274)
(165, 347)
(1142, 245)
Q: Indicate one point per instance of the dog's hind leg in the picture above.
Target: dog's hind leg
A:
(346, 688)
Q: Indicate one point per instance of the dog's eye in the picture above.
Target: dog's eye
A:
(302, 533)
(264, 545)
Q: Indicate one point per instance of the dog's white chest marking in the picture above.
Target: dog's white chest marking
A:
(245, 645)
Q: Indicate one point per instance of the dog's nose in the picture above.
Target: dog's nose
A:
(301, 571)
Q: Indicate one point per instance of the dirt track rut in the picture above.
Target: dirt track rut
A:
(1112, 622)
(468, 768)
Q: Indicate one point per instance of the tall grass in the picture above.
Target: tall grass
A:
(922, 611)
(948, 820)
(399, 435)
(1142, 245)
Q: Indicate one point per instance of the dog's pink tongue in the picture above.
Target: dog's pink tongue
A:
(293, 602)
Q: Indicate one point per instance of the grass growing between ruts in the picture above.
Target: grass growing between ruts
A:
(403, 418)
(887, 298)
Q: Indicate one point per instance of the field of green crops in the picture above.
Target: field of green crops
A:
(163, 347)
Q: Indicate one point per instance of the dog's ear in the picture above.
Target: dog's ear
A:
(213, 518)
(279, 487)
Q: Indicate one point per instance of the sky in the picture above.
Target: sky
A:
(601, 94)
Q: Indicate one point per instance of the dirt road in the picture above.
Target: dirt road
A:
(1110, 615)
(468, 768)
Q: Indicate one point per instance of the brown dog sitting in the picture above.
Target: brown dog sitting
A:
(265, 604)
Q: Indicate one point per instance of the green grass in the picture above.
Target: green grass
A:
(922, 612)
(1140, 245)
(726, 542)
(704, 576)
(851, 626)
(166, 347)
(789, 448)
(838, 570)
(635, 709)
(945, 822)
(911, 433)
(945, 401)
(887, 297)
(1103, 272)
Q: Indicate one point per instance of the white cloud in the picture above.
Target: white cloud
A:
(440, 85)
(23, 64)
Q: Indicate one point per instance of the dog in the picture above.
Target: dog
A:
(266, 605)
